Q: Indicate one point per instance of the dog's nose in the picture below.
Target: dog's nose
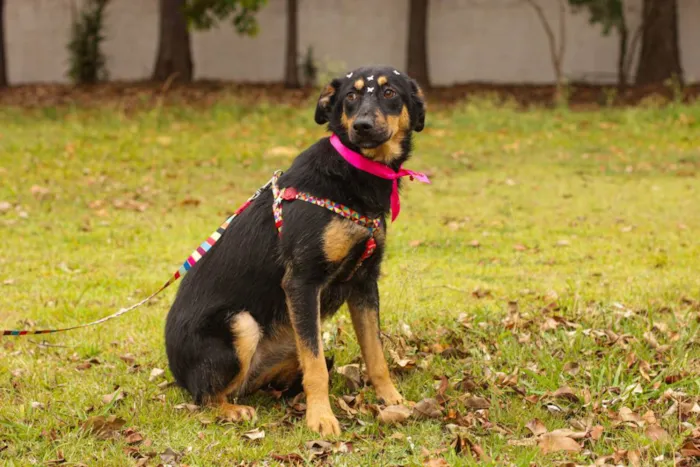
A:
(362, 124)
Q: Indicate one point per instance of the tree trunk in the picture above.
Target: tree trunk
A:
(660, 56)
(417, 42)
(3, 69)
(174, 53)
(622, 58)
(291, 70)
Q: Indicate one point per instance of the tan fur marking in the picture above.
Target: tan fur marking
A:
(359, 84)
(366, 326)
(382, 80)
(326, 95)
(398, 124)
(246, 336)
(339, 237)
(347, 122)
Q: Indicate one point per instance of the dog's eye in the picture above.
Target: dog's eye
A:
(351, 96)
(389, 93)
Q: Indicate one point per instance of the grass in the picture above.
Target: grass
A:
(554, 249)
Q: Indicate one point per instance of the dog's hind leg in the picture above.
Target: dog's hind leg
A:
(246, 336)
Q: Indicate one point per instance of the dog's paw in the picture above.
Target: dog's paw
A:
(237, 413)
(320, 418)
(389, 395)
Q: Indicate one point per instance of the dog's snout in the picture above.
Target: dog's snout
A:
(363, 124)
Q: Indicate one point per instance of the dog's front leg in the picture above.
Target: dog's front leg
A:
(364, 310)
(303, 303)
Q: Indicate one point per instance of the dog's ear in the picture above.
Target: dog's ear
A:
(326, 101)
(418, 107)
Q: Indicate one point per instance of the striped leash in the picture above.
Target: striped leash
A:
(196, 255)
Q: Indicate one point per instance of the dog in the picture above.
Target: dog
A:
(248, 314)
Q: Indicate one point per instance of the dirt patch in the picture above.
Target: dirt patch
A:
(130, 96)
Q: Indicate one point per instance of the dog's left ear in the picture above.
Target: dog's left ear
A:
(418, 107)
(326, 101)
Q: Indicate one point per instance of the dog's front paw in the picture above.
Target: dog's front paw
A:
(388, 394)
(320, 419)
(237, 413)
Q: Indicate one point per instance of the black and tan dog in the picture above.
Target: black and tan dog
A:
(249, 313)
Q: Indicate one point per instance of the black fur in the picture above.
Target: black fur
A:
(251, 269)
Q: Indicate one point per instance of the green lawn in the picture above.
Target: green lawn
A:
(549, 278)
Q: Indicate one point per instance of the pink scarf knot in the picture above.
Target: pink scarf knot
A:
(380, 170)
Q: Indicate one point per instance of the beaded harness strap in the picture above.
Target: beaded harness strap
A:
(291, 194)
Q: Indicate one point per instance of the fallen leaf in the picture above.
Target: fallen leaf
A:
(536, 427)
(128, 358)
(690, 449)
(103, 428)
(549, 443)
(155, 374)
(656, 433)
(346, 408)
(572, 368)
(170, 457)
(5, 206)
(596, 432)
(519, 247)
(114, 397)
(428, 408)
(39, 192)
(352, 374)
(189, 407)
(319, 447)
(440, 462)
(394, 414)
(415, 243)
(255, 434)
(132, 437)
(626, 415)
(634, 458)
(477, 403)
(38, 405)
(567, 393)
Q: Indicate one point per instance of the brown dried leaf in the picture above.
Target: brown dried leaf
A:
(626, 415)
(394, 414)
(189, 407)
(346, 408)
(352, 374)
(690, 448)
(132, 437)
(656, 433)
(103, 428)
(549, 443)
(428, 408)
(567, 393)
(155, 374)
(114, 397)
(476, 403)
(572, 368)
(536, 427)
(597, 432)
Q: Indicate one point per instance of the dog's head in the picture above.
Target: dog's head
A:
(375, 110)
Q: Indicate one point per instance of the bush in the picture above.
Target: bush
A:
(87, 63)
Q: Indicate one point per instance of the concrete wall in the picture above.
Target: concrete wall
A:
(469, 40)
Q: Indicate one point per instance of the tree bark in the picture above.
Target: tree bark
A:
(174, 52)
(291, 69)
(659, 59)
(622, 58)
(417, 42)
(3, 68)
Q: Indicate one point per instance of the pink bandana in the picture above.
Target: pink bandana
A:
(378, 169)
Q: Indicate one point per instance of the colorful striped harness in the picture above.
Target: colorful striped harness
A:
(291, 194)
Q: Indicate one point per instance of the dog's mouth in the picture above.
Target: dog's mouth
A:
(369, 141)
